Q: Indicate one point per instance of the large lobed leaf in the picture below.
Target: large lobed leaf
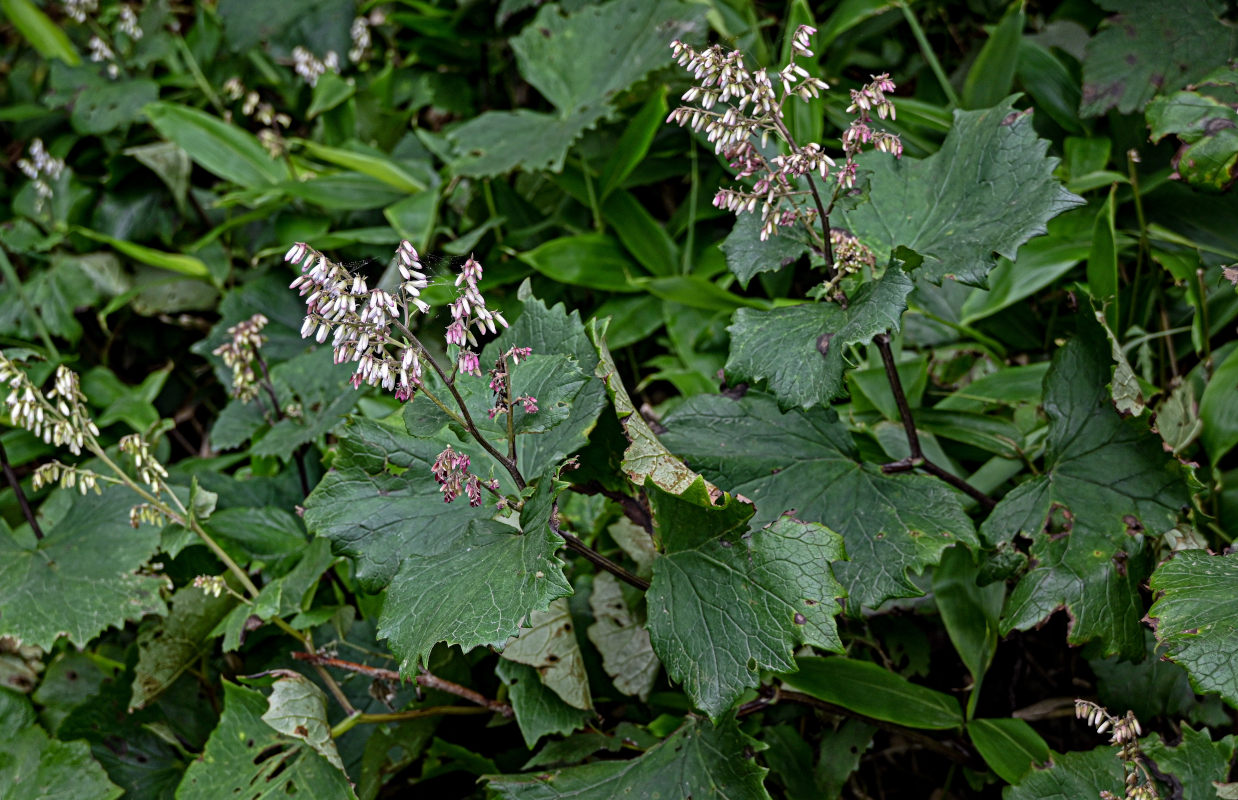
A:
(799, 350)
(1107, 487)
(805, 462)
(34, 766)
(579, 62)
(1196, 616)
(1196, 762)
(475, 588)
(246, 757)
(80, 578)
(380, 503)
(988, 190)
(699, 760)
(1148, 47)
(726, 601)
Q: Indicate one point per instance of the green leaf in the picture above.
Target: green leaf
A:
(245, 754)
(367, 162)
(553, 330)
(1107, 487)
(1196, 763)
(1103, 259)
(329, 92)
(747, 255)
(1204, 122)
(1218, 409)
(44, 35)
(726, 601)
(105, 108)
(380, 503)
(281, 597)
(1040, 262)
(806, 461)
(167, 648)
(174, 262)
(1050, 84)
(634, 143)
(539, 711)
(1197, 618)
(298, 708)
(865, 688)
(79, 579)
(621, 640)
(969, 612)
(697, 761)
(217, 146)
(1149, 47)
(34, 767)
(1010, 747)
(471, 588)
(579, 62)
(992, 73)
(547, 642)
(645, 458)
(988, 190)
(320, 388)
(590, 259)
(800, 351)
(169, 162)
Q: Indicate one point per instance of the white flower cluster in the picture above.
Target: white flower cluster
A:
(127, 23)
(101, 53)
(150, 471)
(753, 114)
(39, 166)
(310, 68)
(67, 476)
(360, 35)
(240, 353)
(60, 418)
(80, 10)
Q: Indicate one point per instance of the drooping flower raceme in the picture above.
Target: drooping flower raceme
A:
(240, 353)
(741, 112)
(60, 417)
(372, 328)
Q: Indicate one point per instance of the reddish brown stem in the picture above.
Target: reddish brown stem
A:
(917, 457)
(425, 679)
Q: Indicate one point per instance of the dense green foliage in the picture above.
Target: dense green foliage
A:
(850, 496)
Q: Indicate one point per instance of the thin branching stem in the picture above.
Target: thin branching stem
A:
(597, 559)
(22, 502)
(299, 454)
(917, 457)
(425, 679)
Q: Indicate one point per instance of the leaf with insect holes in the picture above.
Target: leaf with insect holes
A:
(298, 708)
(32, 765)
(623, 643)
(1107, 487)
(988, 190)
(727, 601)
(245, 754)
(699, 760)
(806, 462)
(1196, 616)
(1148, 47)
(547, 642)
